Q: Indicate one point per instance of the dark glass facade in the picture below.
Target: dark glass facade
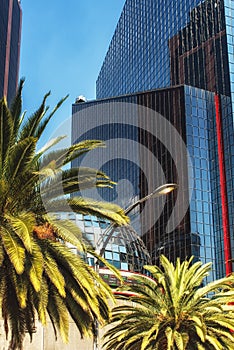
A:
(198, 52)
(158, 44)
(162, 43)
(10, 32)
(191, 113)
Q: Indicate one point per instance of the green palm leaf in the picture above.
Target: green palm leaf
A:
(100, 209)
(172, 310)
(86, 206)
(6, 131)
(16, 108)
(21, 155)
(82, 318)
(66, 155)
(39, 275)
(55, 181)
(41, 301)
(57, 311)
(49, 144)
(67, 231)
(34, 266)
(23, 227)
(1, 255)
(43, 123)
(21, 290)
(30, 126)
(14, 249)
(54, 275)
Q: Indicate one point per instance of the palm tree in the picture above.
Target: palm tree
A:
(39, 274)
(174, 311)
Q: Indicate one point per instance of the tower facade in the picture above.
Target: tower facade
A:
(10, 34)
(185, 49)
(161, 43)
(181, 151)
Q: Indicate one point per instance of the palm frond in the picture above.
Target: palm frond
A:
(13, 248)
(173, 310)
(67, 231)
(53, 273)
(23, 227)
(55, 183)
(66, 155)
(105, 263)
(2, 255)
(13, 316)
(43, 123)
(100, 209)
(39, 273)
(80, 316)
(41, 301)
(6, 132)
(19, 160)
(30, 126)
(21, 288)
(16, 109)
(34, 267)
(57, 311)
(49, 144)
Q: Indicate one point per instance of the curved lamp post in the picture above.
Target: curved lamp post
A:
(159, 191)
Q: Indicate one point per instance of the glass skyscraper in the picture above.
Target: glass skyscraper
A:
(158, 43)
(190, 111)
(185, 50)
(10, 34)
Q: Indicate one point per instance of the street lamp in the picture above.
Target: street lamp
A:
(159, 191)
(108, 233)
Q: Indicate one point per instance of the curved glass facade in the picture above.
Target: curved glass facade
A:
(121, 246)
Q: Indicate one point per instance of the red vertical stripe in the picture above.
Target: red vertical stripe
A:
(8, 47)
(223, 188)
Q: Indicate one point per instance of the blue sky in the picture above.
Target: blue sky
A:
(62, 48)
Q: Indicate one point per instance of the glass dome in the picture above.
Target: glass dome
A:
(123, 247)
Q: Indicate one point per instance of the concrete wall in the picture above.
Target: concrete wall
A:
(44, 339)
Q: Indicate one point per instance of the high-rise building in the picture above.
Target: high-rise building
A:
(159, 44)
(10, 34)
(127, 125)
